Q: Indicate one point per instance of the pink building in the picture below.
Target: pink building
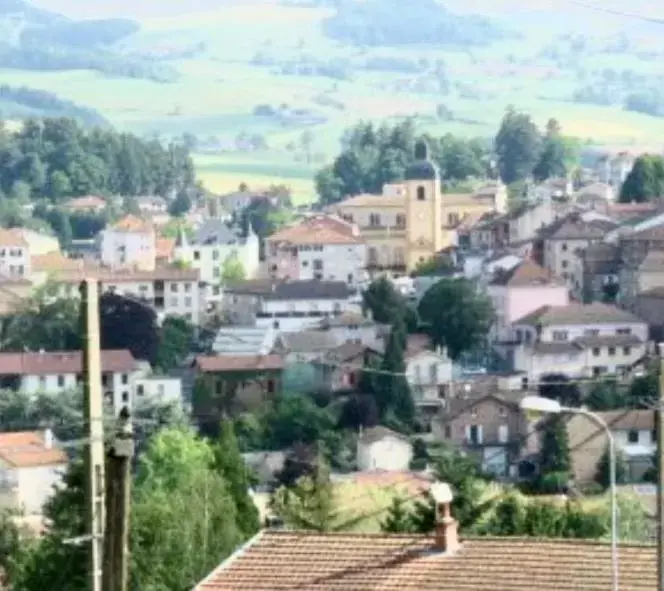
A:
(322, 247)
(521, 290)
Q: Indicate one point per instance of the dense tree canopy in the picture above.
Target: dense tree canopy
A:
(458, 317)
(517, 146)
(373, 156)
(57, 158)
(387, 305)
(645, 181)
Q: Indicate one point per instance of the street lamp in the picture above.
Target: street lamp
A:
(539, 404)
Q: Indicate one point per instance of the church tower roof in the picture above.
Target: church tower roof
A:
(422, 168)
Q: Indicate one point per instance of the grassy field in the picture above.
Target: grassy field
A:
(216, 91)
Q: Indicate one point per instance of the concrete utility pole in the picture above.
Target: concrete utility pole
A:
(118, 498)
(94, 418)
(659, 426)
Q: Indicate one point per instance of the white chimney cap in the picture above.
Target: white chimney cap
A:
(441, 493)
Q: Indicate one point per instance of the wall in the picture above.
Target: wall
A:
(36, 486)
(159, 389)
(14, 261)
(536, 365)
(121, 249)
(390, 453)
(524, 300)
(337, 262)
(426, 372)
(309, 313)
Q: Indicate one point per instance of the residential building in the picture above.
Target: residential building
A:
(339, 369)
(634, 435)
(38, 242)
(488, 426)
(429, 375)
(566, 238)
(579, 340)
(171, 291)
(14, 254)
(157, 389)
(247, 381)
(596, 194)
(526, 221)
(354, 327)
(597, 272)
(214, 242)
(320, 247)
(304, 346)
(519, 291)
(649, 306)
(441, 561)
(244, 340)
(288, 306)
(411, 222)
(31, 466)
(150, 205)
(13, 292)
(86, 204)
(379, 448)
(553, 189)
(59, 371)
(614, 168)
(131, 242)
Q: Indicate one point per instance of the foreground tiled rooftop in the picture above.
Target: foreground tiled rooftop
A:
(281, 560)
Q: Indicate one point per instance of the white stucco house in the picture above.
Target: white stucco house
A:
(158, 389)
(131, 242)
(429, 374)
(59, 371)
(578, 340)
(287, 306)
(31, 465)
(14, 254)
(379, 448)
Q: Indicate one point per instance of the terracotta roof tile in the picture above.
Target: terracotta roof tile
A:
(370, 200)
(387, 562)
(525, 274)
(132, 223)
(576, 314)
(165, 247)
(62, 362)
(106, 275)
(317, 231)
(12, 237)
(223, 363)
(55, 261)
(28, 449)
(86, 202)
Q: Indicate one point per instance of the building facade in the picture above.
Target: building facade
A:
(131, 242)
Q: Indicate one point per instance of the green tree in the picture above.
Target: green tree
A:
(386, 304)
(397, 520)
(180, 205)
(459, 317)
(606, 396)
(230, 465)
(645, 181)
(184, 519)
(517, 146)
(438, 265)
(176, 339)
(552, 162)
(61, 225)
(232, 270)
(392, 391)
(557, 386)
(603, 476)
(311, 504)
(555, 464)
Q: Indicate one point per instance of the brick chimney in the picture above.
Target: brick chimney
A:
(446, 530)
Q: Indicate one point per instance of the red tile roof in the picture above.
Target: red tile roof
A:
(223, 363)
(371, 562)
(62, 362)
(132, 223)
(12, 237)
(28, 449)
(318, 230)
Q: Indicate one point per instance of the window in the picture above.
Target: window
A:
(564, 264)
(503, 433)
(627, 350)
(187, 287)
(433, 373)
(217, 272)
(140, 389)
(598, 370)
(125, 397)
(174, 287)
(452, 219)
(563, 247)
(653, 436)
(401, 220)
(421, 193)
(125, 379)
(596, 351)
(187, 302)
(374, 219)
(612, 351)
(275, 324)
(448, 432)
(560, 335)
(474, 434)
(197, 255)
(591, 332)
(215, 255)
(502, 411)
(174, 302)
(61, 381)
(624, 331)
(270, 387)
(632, 436)
(349, 278)
(318, 265)
(524, 383)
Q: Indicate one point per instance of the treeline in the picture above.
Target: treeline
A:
(84, 34)
(49, 103)
(57, 158)
(394, 22)
(373, 156)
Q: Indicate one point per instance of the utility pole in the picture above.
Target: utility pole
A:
(118, 498)
(94, 419)
(659, 426)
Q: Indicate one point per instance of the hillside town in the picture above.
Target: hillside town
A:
(382, 344)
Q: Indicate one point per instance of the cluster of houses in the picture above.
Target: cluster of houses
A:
(574, 277)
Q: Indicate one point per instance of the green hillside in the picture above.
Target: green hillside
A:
(264, 90)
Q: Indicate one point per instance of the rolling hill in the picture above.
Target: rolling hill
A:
(264, 90)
